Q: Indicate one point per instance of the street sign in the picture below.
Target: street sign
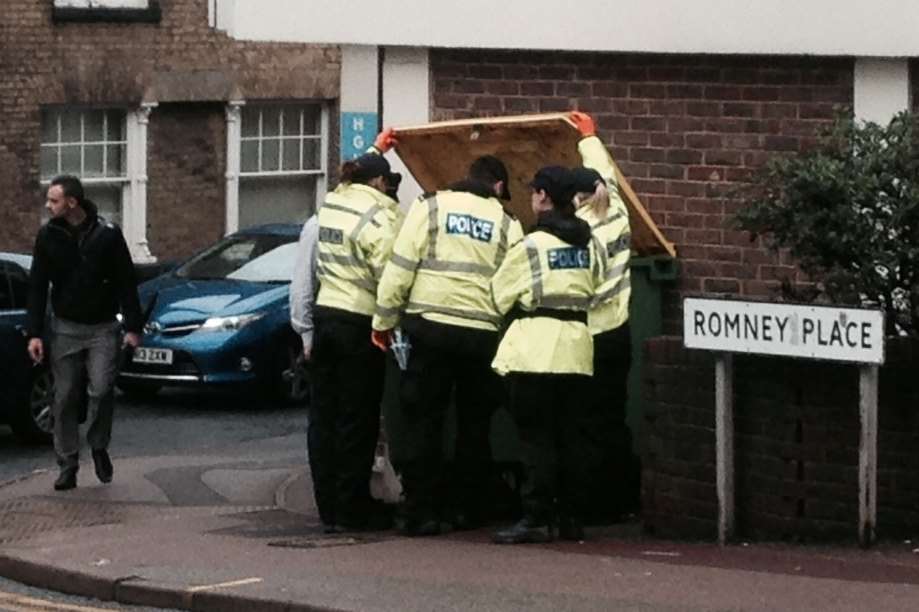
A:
(814, 332)
(358, 131)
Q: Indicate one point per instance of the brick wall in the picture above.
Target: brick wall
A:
(94, 64)
(187, 144)
(797, 433)
(684, 130)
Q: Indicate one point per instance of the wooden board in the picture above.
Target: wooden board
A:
(438, 154)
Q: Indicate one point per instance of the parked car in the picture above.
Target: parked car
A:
(26, 390)
(221, 319)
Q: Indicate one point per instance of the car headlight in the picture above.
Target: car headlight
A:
(230, 323)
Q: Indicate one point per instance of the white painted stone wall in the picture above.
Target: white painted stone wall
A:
(821, 27)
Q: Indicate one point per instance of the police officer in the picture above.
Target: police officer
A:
(607, 439)
(549, 279)
(451, 244)
(357, 225)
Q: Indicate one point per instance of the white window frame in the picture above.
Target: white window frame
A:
(234, 152)
(59, 145)
(133, 179)
(281, 138)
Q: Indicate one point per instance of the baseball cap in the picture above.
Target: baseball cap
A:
(585, 179)
(557, 181)
(371, 165)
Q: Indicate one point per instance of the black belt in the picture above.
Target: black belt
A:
(554, 313)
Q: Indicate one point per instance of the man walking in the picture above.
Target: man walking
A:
(87, 263)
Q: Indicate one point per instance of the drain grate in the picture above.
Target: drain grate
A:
(25, 518)
(288, 530)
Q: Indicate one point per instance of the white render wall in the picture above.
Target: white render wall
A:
(881, 88)
(406, 101)
(885, 28)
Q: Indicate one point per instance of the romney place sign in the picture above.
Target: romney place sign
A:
(815, 332)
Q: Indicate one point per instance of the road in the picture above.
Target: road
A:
(175, 422)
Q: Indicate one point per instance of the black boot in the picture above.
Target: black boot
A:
(67, 479)
(103, 464)
(525, 531)
(570, 528)
(421, 526)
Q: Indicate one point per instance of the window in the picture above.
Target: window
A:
(92, 145)
(14, 286)
(281, 140)
(86, 143)
(107, 10)
(282, 162)
(258, 258)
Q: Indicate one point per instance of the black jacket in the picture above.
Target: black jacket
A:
(569, 228)
(90, 272)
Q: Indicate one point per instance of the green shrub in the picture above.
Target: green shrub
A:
(848, 212)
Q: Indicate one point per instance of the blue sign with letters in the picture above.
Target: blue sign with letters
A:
(358, 131)
(467, 225)
(568, 258)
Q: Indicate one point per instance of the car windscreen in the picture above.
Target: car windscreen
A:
(262, 258)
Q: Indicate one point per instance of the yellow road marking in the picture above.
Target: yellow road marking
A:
(21, 603)
(211, 587)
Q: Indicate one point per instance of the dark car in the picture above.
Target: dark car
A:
(221, 320)
(26, 390)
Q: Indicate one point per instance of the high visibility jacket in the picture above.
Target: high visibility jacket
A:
(449, 247)
(357, 225)
(611, 307)
(544, 272)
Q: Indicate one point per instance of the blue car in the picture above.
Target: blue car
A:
(221, 320)
(26, 390)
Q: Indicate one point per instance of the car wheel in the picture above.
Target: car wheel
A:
(139, 390)
(294, 385)
(33, 424)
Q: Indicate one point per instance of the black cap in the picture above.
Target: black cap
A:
(557, 182)
(490, 168)
(585, 179)
(371, 165)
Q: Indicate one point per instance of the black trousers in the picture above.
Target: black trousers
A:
(550, 410)
(344, 415)
(611, 466)
(447, 363)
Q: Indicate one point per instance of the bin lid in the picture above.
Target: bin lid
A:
(439, 153)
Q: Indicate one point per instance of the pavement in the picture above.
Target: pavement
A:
(239, 531)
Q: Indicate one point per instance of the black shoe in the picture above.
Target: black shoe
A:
(104, 469)
(571, 529)
(465, 521)
(67, 479)
(371, 522)
(422, 527)
(525, 531)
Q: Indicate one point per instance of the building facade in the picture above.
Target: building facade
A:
(180, 133)
(690, 97)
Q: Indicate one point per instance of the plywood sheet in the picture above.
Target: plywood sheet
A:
(438, 154)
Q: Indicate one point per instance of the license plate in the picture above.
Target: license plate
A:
(152, 355)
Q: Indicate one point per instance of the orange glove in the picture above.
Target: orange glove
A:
(381, 339)
(386, 140)
(584, 123)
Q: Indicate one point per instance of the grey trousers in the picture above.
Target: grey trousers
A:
(84, 360)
